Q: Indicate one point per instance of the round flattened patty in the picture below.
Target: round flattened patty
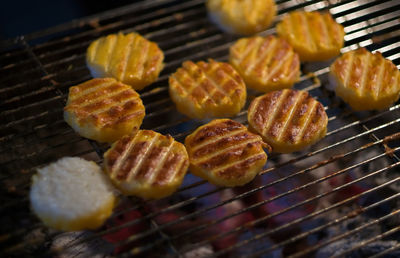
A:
(129, 58)
(366, 81)
(265, 64)
(206, 90)
(103, 109)
(225, 153)
(72, 194)
(242, 17)
(147, 164)
(288, 120)
(314, 36)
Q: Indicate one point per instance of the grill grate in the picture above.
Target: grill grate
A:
(327, 200)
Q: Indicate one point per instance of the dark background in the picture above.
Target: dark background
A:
(20, 17)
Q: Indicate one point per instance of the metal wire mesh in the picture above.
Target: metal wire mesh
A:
(360, 150)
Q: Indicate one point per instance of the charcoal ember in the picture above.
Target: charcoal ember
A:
(214, 220)
(232, 222)
(357, 238)
(196, 252)
(368, 250)
(71, 244)
(256, 245)
(125, 215)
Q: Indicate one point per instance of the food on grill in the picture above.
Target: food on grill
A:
(314, 36)
(225, 153)
(103, 109)
(72, 194)
(129, 58)
(265, 64)
(366, 81)
(203, 90)
(147, 164)
(242, 17)
(288, 120)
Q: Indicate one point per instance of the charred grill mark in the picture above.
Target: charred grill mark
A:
(168, 171)
(228, 157)
(263, 107)
(207, 132)
(150, 163)
(296, 122)
(115, 153)
(239, 170)
(133, 158)
(282, 113)
(298, 99)
(108, 101)
(128, 117)
(223, 143)
(319, 120)
(85, 99)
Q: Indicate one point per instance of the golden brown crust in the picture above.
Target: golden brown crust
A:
(103, 109)
(129, 58)
(211, 89)
(266, 64)
(314, 36)
(147, 164)
(242, 17)
(366, 81)
(225, 153)
(288, 120)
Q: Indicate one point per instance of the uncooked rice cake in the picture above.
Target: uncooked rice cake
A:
(72, 194)
(225, 153)
(129, 58)
(103, 109)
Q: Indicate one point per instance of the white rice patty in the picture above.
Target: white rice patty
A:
(69, 189)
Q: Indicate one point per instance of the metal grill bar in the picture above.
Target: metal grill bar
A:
(268, 170)
(166, 238)
(147, 233)
(12, 123)
(63, 95)
(291, 240)
(331, 223)
(81, 55)
(263, 219)
(367, 23)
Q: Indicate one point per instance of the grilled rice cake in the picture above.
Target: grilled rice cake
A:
(103, 109)
(242, 17)
(72, 194)
(288, 120)
(205, 90)
(147, 164)
(225, 153)
(314, 36)
(129, 58)
(366, 81)
(265, 64)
